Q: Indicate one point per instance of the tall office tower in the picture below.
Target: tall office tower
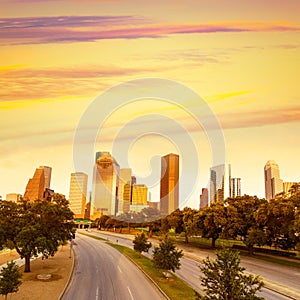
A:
(203, 198)
(217, 183)
(125, 178)
(169, 183)
(105, 185)
(273, 183)
(77, 194)
(38, 183)
(235, 187)
(139, 197)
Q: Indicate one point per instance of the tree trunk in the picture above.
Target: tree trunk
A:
(213, 242)
(250, 249)
(27, 263)
(186, 238)
(150, 233)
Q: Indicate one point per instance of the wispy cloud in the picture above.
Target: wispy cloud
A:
(30, 84)
(64, 29)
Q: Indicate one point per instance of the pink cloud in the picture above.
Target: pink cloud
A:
(92, 28)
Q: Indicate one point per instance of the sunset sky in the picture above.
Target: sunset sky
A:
(241, 57)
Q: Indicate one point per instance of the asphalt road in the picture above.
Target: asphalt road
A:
(101, 273)
(190, 272)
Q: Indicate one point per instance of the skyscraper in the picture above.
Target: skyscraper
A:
(169, 183)
(203, 198)
(217, 183)
(273, 183)
(139, 197)
(105, 185)
(124, 202)
(235, 187)
(78, 193)
(38, 183)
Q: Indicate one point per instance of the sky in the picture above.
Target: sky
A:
(60, 59)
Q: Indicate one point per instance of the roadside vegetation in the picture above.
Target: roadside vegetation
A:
(245, 223)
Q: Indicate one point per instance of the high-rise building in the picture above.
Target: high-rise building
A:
(169, 183)
(204, 198)
(125, 178)
(235, 187)
(273, 183)
(217, 183)
(105, 185)
(78, 193)
(139, 197)
(38, 183)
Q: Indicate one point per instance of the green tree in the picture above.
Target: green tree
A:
(36, 227)
(166, 256)
(10, 279)
(141, 244)
(211, 222)
(242, 220)
(278, 217)
(224, 278)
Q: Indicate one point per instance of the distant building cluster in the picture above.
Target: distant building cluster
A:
(115, 190)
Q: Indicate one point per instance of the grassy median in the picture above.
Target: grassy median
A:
(175, 288)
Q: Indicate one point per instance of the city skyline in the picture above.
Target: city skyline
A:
(243, 59)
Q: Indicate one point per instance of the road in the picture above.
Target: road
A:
(101, 272)
(288, 277)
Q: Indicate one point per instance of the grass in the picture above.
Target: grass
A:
(175, 288)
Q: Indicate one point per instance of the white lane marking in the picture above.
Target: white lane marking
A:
(130, 293)
(120, 269)
(97, 293)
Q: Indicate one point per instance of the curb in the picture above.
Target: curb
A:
(70, 276)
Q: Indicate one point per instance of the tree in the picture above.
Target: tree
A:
(211, 221)
(10, 279)
(242, 217)
(224, 278)
(141, 243)
(278, 219)
(189, 224)
(167, 256)
(36, 227)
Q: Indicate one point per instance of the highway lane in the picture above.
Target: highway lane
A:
(101, 272)
(190, 271)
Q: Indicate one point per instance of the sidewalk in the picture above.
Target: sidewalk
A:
(59, 266)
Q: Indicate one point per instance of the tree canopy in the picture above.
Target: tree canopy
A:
(224, 278)
(10, 279)
(35, 227)
(141, 244)
(166, 256)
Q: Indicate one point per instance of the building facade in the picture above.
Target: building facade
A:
(217, 183)
(124, 192)
(105, 185)
(273, 183)
(169, 183)
(203, 198)
(139, 197)
(37, 185)
(235, 187)
(78, 193)
(14, 197)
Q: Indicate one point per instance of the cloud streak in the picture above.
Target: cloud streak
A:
(66, 29)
